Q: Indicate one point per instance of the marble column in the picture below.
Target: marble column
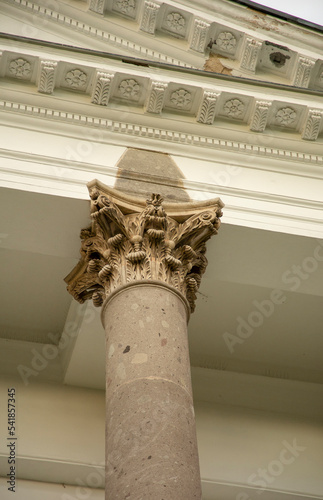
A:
(142, 262)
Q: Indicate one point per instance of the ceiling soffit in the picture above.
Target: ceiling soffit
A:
(257, 47)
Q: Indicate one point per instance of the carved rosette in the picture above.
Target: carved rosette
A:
(135, 242)
(20, 68)
(286, 116)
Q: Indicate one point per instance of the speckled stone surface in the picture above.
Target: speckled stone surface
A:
(151, 439)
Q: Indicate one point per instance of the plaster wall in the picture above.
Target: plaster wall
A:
(60, 432)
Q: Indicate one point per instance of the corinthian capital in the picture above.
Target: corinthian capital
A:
(133, 240)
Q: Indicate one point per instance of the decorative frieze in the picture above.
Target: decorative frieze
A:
(260, 116)
(181, 99)
(251, 53)
(129, 241)
(76, 78)
(156, 97)
(286, 116)
(20, 68)
(200, 35)
(127, 7)
(101, 88)
(149, 17)
(97, 6)
(46, 82)
(129, 89)
(207, 109)
(175, 21)
(312, 125)
(303, 71)
(226, 41)
(233, 108)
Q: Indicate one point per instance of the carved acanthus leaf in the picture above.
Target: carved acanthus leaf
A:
(156, 97)
(97, 6)
(125, 245)
(250, 54)
(207, 110)
(47, 77)
(149, 17)
(199, 37)
(313, 125)
(303, 71)
(101, 88)
(260, 116)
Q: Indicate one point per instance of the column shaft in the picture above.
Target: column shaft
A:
(151, 446)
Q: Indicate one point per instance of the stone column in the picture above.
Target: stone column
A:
(143, 263)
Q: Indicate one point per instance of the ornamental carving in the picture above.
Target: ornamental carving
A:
(126, 6)
(176, 22)
(226, 41)
(149, 17)
(181, 98)
(47, 77)
(285, 116)
(234, 108)
(251, 53)
(97, 6)
(199, 38)
(129, 89)
(156, 97)
(132, 241)
(75, 78)
(260, 116)
(20, 68)
(313, 125)
(303, 71)
(207, 110)
(101, 88)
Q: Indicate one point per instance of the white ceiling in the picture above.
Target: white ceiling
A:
(41, 245)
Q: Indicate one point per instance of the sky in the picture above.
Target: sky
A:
(311, 10)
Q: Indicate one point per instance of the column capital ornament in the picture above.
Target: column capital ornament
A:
(132, 240)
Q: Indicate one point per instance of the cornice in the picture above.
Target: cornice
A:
(257, 46)
(42, 11)
(133, 129)
(194, 102)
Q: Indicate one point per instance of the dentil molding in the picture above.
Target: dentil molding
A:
(161, 93)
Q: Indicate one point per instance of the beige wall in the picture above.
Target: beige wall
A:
(60, 431)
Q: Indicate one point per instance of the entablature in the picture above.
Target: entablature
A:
(258, 46)
(52, 77)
